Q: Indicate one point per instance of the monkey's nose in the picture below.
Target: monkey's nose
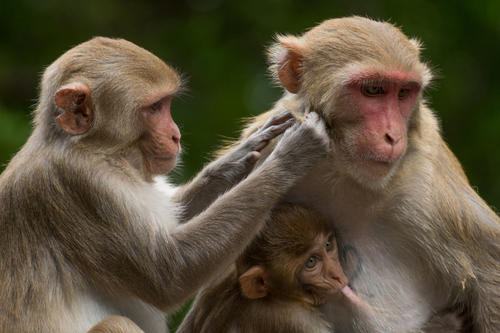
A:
(176, 139)
(392, 139)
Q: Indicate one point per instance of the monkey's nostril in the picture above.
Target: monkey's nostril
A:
(392, 140)
(389, 139)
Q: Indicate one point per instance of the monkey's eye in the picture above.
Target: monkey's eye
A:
(372, 90)
(330, 245)
(155, 107)
(311, 262)
(403, 93)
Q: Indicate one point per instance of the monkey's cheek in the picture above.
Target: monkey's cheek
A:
(162, 165)
(333, 294)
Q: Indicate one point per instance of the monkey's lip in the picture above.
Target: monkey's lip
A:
(166, 158)
(383, 161)
(382, 164)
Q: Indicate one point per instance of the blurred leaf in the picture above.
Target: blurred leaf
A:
(14, 130)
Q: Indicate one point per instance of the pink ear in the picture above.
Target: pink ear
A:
(254, 283)
(290, 67)
(77, 114)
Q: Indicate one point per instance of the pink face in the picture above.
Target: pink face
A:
(161, 142)
(322, 273)
(383, 104)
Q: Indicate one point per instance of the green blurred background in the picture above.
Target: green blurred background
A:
(219, 47)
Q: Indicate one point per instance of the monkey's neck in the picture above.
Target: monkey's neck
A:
(281, 317)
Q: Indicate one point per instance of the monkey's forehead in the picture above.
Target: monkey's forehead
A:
(358, 72)
(104, 59)
(360, 39)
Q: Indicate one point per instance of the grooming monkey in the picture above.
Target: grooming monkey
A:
(88, 228)
(419, 242)
(278, 283)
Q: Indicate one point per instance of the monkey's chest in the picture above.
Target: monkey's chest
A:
(397, 290)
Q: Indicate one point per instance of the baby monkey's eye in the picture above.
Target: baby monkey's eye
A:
(329, 245)
(311, 262)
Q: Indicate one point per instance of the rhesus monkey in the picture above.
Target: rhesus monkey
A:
(279, 282)
(418, 241)
(88, 230)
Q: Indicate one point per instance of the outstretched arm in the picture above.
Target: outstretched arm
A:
(222, 174)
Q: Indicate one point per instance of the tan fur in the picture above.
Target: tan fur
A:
(87, 233)
(116, 324)
(418, 239)
(281, 248)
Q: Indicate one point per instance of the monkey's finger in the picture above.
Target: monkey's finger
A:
(250, 159)
(293, 128)
(277, 119)
(275, 130)
(272, 132)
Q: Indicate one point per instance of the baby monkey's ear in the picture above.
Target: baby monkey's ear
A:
(254, 282)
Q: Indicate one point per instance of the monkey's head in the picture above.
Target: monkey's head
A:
(365, 77)
(294, 258)
(112, 96)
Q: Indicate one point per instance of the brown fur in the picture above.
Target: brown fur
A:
(280, 248)
(88, 231)
(418, 239)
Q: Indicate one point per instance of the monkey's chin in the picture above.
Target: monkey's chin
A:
(379, 168)
(160, 165)
(373, 174)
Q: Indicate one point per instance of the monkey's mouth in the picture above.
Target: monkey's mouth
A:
(382, 163)
(165, 158)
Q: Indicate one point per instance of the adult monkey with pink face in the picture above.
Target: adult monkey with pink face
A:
(87, 230)
(418, 241)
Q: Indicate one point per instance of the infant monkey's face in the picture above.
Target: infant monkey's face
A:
(322, 275)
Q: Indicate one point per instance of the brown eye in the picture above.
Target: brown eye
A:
(156, 106)
(371, 91)
(403, 93)
(311, 262)
(330, 245)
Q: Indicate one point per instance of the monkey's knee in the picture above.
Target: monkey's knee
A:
(116, 324)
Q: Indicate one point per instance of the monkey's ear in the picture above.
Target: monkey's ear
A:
(254, 283)
(77, 114)
(290, 65)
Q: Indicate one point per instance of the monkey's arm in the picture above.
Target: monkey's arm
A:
(216, 306)
(223, 173)
(472, 266)
(483, 287)
(123, 247)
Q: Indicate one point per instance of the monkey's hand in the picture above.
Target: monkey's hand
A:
(225, 172)
(240, 161)
(303, 145)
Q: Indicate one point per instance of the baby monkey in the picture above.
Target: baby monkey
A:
(278, 283)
